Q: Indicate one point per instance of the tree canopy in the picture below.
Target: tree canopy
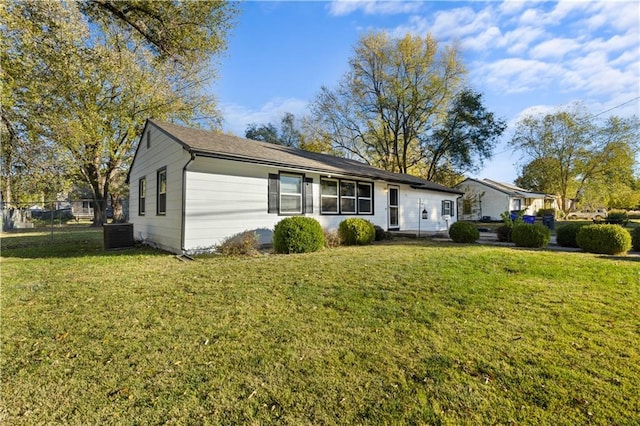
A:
(286, 134)
(82, 77)
(571, 154)
(403, 107)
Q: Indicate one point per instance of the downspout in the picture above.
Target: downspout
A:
(184, 200)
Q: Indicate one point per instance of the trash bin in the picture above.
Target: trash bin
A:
(529, 219)
(118, 235)
(549, 221)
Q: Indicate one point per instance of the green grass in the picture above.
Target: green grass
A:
(396, 333)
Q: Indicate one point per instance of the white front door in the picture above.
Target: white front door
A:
(393, 207)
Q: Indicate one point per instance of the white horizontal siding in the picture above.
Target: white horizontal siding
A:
(224, 198)
(413, 202)
(163, 231)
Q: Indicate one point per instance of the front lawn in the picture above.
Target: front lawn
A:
(402, 332)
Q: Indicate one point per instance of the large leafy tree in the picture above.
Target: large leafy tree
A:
(464, 140)
(287, 133)
(84, 76)
(402, 106)
(571, 154)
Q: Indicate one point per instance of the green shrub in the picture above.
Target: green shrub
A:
(604, 239)
(381, 234)
(298, 234)
(356, 231)
(245, 243)
(635, 238)
(617, 217)
(464, 232)
(566, 234)
(504, 233)
(530, 235)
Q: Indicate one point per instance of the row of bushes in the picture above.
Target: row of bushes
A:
(602, 239)
(599, 238)
(299, 234)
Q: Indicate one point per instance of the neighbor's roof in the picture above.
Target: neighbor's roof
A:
(219, 145)
(512, 190)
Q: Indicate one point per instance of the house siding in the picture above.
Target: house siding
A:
(224, 198)
(210, 198)
(163, 231)
(494, 202)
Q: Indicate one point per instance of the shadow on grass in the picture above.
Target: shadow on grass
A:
(631, 257)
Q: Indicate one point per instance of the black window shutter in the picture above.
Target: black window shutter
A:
(443, 206)
(308, 195)
(274, 180)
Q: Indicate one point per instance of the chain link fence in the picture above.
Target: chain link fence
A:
(40, 214)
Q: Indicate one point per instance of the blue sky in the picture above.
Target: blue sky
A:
(523, 56)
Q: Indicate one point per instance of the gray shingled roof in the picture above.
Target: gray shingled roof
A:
(219, 145)
(511, 190)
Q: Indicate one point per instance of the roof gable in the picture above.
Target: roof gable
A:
(511, 190)
(218, 145)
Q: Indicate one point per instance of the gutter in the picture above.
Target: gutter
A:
(184, 199)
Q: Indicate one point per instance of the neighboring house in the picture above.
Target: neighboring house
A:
(191, 189)
(487, 199)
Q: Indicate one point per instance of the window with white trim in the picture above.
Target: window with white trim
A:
(290, 194)
(329, 196)
(142, 196)
(161, 199)
(339, 196)
(365, 198)
(447, 208)
(348, 197)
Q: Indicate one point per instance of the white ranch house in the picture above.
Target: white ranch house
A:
(191, 189)
(488, 199)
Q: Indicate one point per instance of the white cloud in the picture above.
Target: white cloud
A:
(237, 117)
(555, 48)
(517, 75)
(615, 43)
(511, 7)
(460, 22)
(485, 40)
(518, 40)
(372, 7)
(621, 15)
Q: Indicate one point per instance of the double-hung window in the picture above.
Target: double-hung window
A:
(365, 198)
(348, 197)
(339, 196)
(329, 196)
(142, 196)
(290, 194)
(447, 208)
(161, 199)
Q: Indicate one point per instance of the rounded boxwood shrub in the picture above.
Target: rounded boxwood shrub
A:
(356, 231)
(635, 238)
(381, 234)
(464, 232)
(504, 233)
(617, 217)
(298, 234)
(604, 239)
(530, 235)
(566, 234)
